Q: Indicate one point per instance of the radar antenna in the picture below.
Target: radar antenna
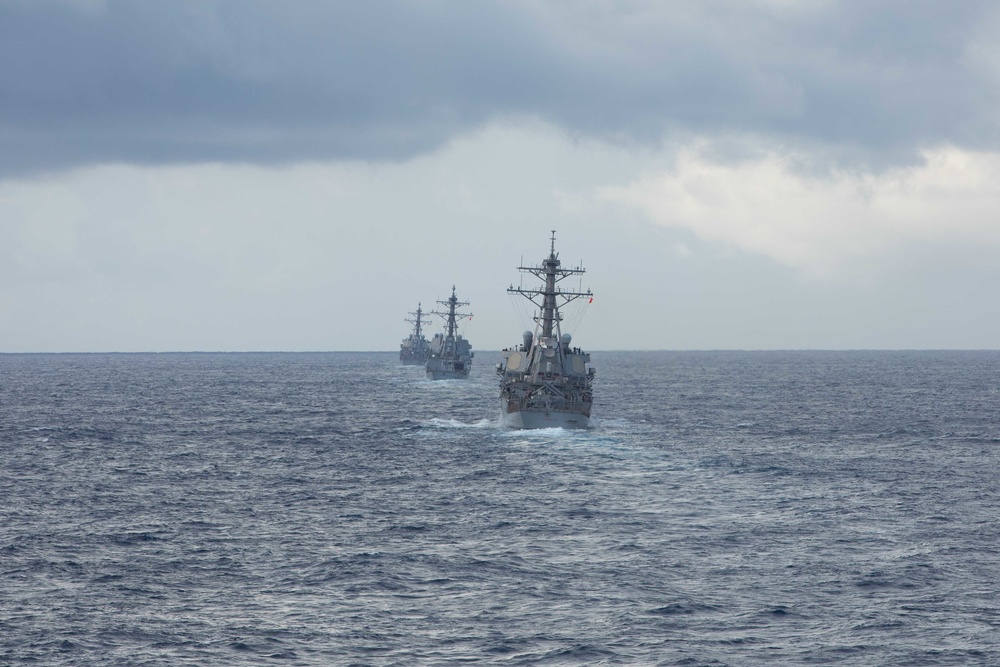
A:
(417, 321)
(450, 316)
(546, 297)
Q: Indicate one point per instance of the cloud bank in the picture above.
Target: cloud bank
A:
(828, 226)
(863, 84)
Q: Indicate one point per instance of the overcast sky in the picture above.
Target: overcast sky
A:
(250, 175)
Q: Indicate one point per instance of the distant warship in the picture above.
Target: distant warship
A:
(544, 382)
(451, 355)
(414, 349)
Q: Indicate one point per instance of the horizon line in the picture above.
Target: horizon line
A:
(684, 350)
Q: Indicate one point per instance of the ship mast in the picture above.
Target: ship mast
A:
(453, 303)
(551, 272)
(416, 322)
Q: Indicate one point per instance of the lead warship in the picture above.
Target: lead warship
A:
(451, 355)
(545, 382)
(414, 350)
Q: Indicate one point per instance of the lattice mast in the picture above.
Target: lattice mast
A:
(550, 272)
(417, 321)
(450, 317)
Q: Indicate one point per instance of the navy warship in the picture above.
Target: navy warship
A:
(414, 350)
(545, 382)
(451, 355)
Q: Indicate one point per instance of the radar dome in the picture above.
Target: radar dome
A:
(566, 339)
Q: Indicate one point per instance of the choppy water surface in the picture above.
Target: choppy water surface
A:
(339, 509)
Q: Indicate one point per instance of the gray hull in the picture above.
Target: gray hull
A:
(551, 419)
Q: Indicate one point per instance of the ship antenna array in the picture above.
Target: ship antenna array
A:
(546, 298)
(451, 315)
(417, 321)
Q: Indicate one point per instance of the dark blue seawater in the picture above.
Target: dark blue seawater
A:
(729, 508)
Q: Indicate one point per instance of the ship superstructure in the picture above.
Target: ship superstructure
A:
(451, 354)
(415, 350)
(546, 382)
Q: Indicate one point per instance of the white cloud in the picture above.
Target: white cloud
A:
(825, 226)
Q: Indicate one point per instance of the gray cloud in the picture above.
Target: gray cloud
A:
(251, 81)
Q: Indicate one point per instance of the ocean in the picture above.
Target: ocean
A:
(728, 508)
